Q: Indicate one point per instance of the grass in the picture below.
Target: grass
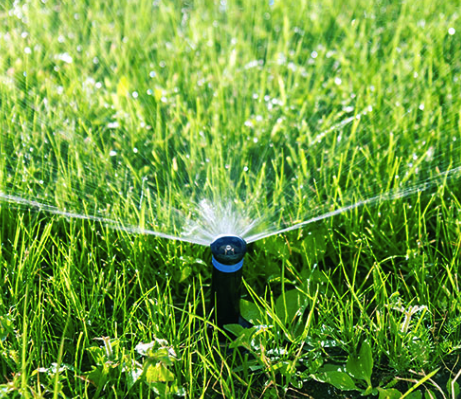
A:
(128, 115)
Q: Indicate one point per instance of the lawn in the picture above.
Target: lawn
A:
(325, 133)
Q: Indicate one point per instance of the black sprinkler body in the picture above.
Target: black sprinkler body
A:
(228, 253)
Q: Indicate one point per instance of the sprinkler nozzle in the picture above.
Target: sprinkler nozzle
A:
(228, 250)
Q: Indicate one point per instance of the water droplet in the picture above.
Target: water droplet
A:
(245, 168)
(152, 74)
(135, 94)
(135, 150)
(223, 6)
(65, 57)
(27, 50)
(292, 66)
(421, 107)
(112, 153)
(251, 64)
(314, 54)
(451, 31)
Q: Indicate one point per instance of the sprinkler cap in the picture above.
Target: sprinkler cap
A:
(229, 250)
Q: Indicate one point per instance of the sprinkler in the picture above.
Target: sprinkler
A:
(228, 253)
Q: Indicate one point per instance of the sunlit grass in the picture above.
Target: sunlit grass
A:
(283, 113)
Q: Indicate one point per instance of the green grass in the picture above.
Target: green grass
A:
(135, 111)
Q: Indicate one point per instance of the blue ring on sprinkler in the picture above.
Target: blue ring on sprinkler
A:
(226, 268)
(228, 253)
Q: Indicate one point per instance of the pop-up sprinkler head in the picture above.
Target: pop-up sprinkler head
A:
(228, 253)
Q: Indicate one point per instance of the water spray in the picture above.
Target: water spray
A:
(228, 253)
